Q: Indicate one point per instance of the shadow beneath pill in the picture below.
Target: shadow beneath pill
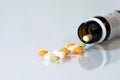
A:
(101, 55)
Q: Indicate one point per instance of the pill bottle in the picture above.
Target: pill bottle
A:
(100, 28)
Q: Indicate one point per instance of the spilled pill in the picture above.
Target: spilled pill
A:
(78, 50)
(43, 52)
(48, 56)
(70, 44)
(67, 51)
(82, 45)
(62, 49)
(59, 53)
(55, 58)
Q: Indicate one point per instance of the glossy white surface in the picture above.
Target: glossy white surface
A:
(27, 26)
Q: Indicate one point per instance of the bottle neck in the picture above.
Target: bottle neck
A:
(107, 26)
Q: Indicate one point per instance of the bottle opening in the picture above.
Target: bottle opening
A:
(89, 32)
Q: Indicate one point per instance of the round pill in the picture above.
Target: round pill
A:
(56, 51)
(70, 44)
(62, 49)
(82, 45)
(59, 53)
(55, 58)
(43, 52)
(48, 56)
(78, 50)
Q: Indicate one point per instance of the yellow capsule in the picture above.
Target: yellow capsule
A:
(78, 50)
(43, 52)
(70, 44)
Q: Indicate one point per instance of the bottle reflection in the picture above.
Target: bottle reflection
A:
(101, 55)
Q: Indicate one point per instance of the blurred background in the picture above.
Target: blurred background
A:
(27, 26)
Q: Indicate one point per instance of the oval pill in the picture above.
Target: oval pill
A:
(59, 53)
(82, 45)
(78, 50)
(70, 44)
(48, 56)
(67, 51)
(62, 49)
(55, 58)
(43, 52)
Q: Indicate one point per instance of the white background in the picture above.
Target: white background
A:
(27, 26)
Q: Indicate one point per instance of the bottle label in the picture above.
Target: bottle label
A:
(114, 21)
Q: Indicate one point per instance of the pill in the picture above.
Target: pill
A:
(78, 50)
(56, 51)
(48, 56)
(82, 45)
(43, 52)
(59, 53)
(62, 49)
(70, 44)
(67, 51)
(55, 58)
(71, 48)
(87, 38)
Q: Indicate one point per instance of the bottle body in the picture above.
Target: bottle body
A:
(114, 21)
(100, 28)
